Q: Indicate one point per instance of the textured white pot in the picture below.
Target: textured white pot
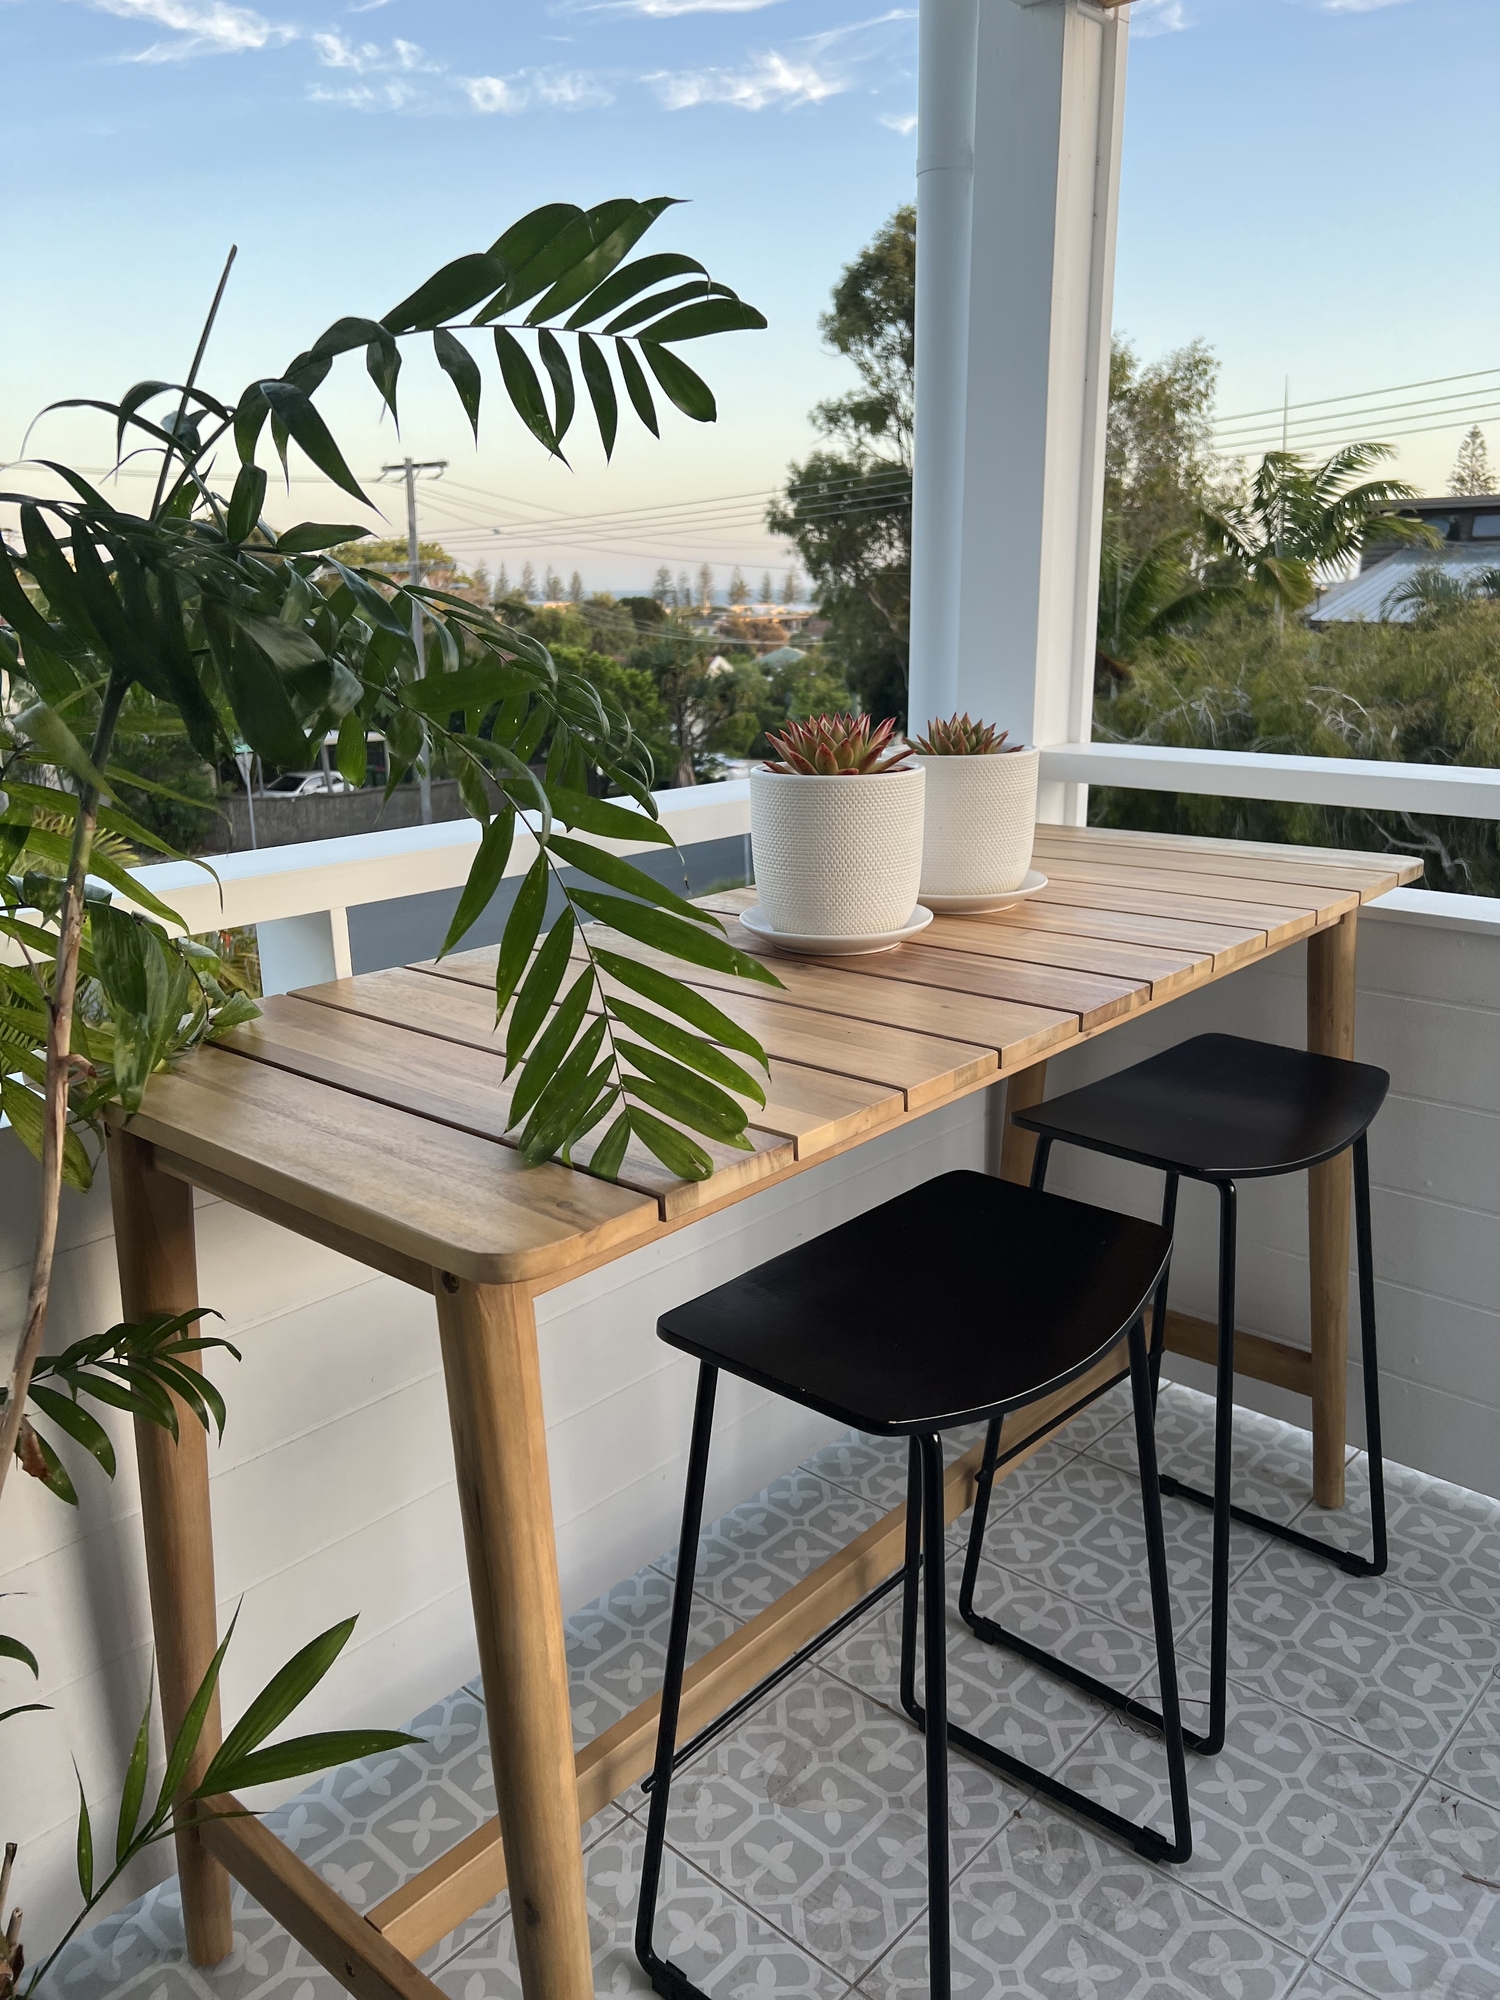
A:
(837, 857)
(980, 822)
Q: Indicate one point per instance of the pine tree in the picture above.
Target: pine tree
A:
(791, 590)
(684, 590)
(1471, 469)
(767, 594)
(739, 590)
(552, 586)
(661, 585)
(528, 583)
(575, 588)
(705, 587)
(502, 583)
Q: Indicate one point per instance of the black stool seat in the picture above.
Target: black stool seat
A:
(1222, 1109)
(1219, 1108)
(962, 1298)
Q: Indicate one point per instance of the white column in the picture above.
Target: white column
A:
(1014, 638)
(946, 70)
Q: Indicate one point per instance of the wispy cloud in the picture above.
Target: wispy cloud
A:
(768, 79)
(904, 122)
(200, 28)
(336, 51)
(666, 10)
(561, 90)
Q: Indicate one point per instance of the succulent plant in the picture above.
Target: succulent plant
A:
(960, 737)
(835, 746)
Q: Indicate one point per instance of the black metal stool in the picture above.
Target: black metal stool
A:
(958, 1301)
(1222, 1109)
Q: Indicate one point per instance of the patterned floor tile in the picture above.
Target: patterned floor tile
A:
(992, 1693)
(1081, 1536)
(747, 1559)
(813, 1813)
(1397, 1670)
(1049, 1908)
(1472, 1764)
(1426, 1923)
(1285, 1817)
(1444, 1540)
(1317, 1983)
(1272, 1462)
(617, 1648)
(727, 1949)
(876, 1468)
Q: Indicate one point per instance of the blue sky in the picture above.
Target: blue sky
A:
(1308, 186)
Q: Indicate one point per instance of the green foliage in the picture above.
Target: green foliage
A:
(1297, 518)
(244, 1759)
(1422, 693)
(847, 507)
(236, 633)
(1159, 466)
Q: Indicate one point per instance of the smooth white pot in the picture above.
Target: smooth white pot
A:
(980, 822)
(837, 856)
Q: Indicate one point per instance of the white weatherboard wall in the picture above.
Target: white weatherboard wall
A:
(1428, 1011)
(333, 1490)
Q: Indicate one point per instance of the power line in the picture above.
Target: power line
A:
(1395, 389)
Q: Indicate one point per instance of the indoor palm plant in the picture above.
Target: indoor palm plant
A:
(244, 633)
(836, 825)
(980, 811)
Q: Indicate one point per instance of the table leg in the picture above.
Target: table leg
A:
(1017, 1148)
(159, 1274)
(500, 1448)
(1330, 1032)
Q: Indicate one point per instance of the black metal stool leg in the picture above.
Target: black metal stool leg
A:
(984, 1486)
(1347, 1560)
(1144, 1839)
(935, 1670)
(1039, 1163)
(1159, 1303)
(665, 1979)
(1161, 1597)
(1369, 1358)
(910, 1582)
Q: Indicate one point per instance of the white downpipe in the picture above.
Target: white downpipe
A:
(946, 75)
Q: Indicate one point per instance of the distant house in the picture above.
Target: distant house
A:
(1470, 529)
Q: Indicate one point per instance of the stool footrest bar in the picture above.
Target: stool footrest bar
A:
(1139, 1711)
(1348, 1560)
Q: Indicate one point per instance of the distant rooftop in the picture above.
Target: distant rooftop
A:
(1474, 517)
(1366, 596)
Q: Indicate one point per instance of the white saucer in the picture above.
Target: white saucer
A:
(971, 906)
(835, 947)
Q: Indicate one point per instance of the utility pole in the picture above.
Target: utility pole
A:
(409, 468)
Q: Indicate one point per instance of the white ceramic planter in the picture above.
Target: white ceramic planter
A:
(980, 822)
(837, 856)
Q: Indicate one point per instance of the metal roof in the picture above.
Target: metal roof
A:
(1363, 597)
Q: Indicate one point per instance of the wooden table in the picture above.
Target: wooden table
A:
(369, 1115)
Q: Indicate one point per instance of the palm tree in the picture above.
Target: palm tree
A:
(1147, 594)
(1299, 518)
(1433, 593)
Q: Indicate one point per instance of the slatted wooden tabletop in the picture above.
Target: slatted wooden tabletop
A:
(376, 1107)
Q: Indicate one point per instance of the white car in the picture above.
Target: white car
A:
(299, 784)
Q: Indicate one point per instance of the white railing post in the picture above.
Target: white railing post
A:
(1026, 484)
(303, 951)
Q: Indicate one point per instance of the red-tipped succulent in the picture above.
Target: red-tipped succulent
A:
(836, 746)
(960, 737)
